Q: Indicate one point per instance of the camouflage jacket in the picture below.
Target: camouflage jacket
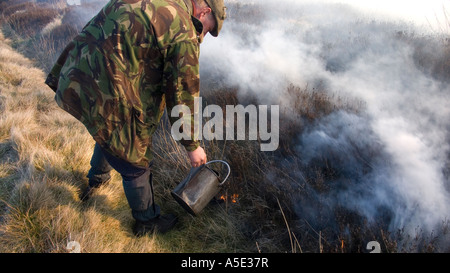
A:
(129, 62)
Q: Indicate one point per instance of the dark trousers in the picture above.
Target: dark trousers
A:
(136, 181)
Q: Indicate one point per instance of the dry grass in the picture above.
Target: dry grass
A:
(40, 30)
(32, 20)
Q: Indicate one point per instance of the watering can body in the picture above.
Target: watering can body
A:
(199, 188)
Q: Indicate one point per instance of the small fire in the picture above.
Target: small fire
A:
(233, 198)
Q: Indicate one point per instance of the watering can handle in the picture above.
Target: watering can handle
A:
(228, 166)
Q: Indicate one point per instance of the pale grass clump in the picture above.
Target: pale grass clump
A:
(8, 56)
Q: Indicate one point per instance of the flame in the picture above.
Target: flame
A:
(233, 198)
(342, 244)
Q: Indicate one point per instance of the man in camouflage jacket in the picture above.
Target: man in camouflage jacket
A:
(134, 58)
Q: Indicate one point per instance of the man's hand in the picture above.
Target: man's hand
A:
(197, 157)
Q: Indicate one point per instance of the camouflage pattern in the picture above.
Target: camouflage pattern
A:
(129, 62)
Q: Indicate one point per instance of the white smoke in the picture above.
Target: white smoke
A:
(406, 123)
(410, 116)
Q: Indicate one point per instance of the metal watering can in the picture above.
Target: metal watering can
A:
(199, 187)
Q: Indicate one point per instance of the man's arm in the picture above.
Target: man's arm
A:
(182, 83)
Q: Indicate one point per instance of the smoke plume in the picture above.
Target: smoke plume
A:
(392, 158)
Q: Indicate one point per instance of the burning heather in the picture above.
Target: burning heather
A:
(380, 149)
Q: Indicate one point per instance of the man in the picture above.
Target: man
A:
(116, 77)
